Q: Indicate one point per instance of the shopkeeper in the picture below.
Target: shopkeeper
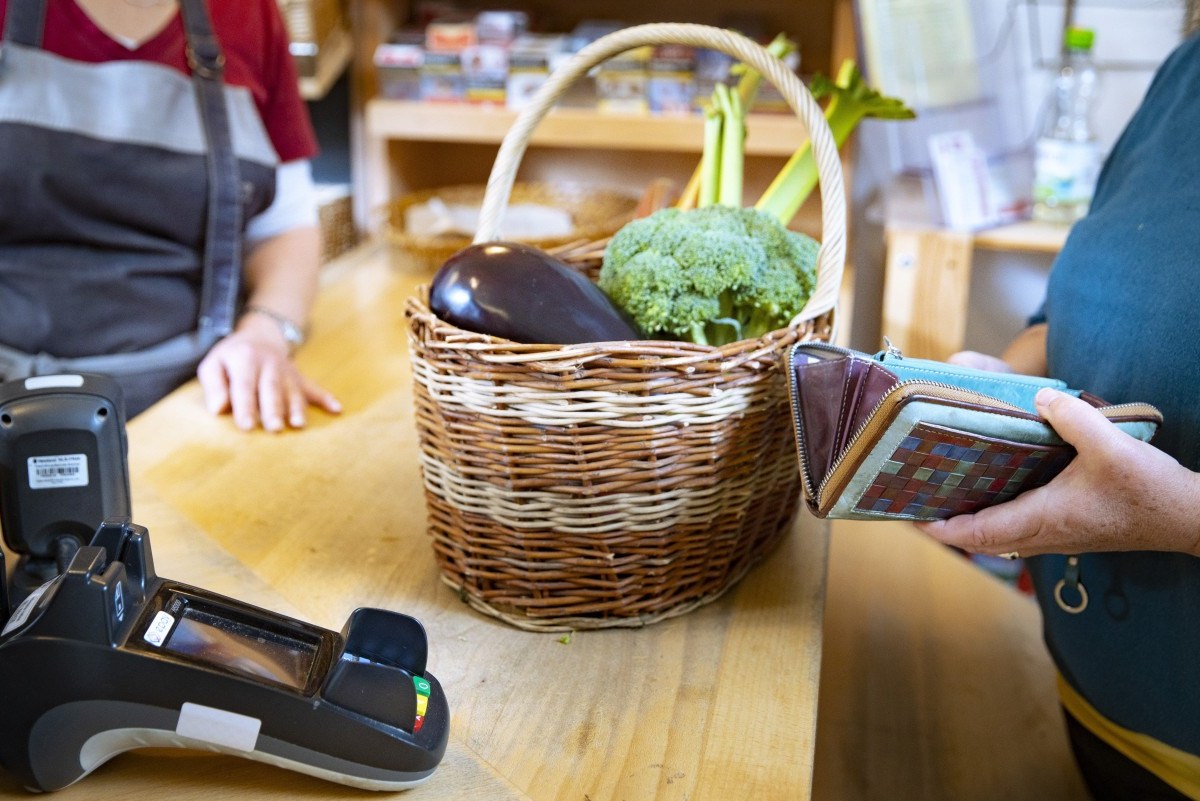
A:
(157, 214)
(1115, 539)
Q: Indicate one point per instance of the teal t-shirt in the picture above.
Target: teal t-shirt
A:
(1123, 307)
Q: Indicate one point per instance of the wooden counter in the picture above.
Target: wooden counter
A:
(717, 704)
(934, 684)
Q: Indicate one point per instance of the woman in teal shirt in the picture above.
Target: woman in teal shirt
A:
(1115, 539)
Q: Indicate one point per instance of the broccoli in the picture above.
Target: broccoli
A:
(712, 275)
(722, 273)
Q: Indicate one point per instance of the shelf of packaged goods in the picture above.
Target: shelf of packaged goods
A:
(767, 134)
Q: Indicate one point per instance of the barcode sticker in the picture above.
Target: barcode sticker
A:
(52, 472)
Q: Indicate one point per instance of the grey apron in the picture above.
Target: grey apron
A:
(124, 188)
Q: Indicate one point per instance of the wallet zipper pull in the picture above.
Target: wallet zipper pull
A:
(890, 350)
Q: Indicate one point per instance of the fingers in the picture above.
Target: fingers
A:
(1105, 499)
(259, 385)
(281, 399)
(297, 410)
(243, 394)
(211, 374)
(316, 395)
(272, 396)
(302, 393)
(1006, 527)
(1075, 420)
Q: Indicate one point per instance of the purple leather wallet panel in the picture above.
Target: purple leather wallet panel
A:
(834, 397)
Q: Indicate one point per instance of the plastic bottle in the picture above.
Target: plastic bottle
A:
(1068, 156)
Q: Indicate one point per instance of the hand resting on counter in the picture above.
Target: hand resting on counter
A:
(251, 375)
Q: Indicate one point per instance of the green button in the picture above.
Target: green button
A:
(421, 684)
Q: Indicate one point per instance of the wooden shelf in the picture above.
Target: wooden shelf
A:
(927, 271)
(399, 146)
(1023, 237)
(331, 63)
(767, 134)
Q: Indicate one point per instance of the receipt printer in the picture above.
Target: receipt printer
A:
(107, 657)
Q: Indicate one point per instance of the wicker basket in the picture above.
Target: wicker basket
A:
(613, 484)
(595, 212)
(338, 232)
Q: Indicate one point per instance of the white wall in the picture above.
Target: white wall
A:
(1017, 47)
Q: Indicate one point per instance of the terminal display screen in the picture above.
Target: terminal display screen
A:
(205, 635)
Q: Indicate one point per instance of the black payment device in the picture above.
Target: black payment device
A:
(106, 656)
(63, 469)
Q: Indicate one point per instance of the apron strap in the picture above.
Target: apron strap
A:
(223, 238)
(185, 349)
(24, 21)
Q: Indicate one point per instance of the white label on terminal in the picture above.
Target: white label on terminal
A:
(53, 472)
(159, 627)
(218, 726)
(26, 608)
(50, 381)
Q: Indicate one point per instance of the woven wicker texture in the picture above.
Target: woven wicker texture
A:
(936, 473)
(611, 484)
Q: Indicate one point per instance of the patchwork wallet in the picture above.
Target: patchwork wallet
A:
(886, 437)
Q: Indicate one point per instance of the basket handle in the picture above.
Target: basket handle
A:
(832, 254)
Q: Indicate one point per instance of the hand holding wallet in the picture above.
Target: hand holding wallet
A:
(888, 437)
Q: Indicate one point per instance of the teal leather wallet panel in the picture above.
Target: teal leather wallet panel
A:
(1018, 390)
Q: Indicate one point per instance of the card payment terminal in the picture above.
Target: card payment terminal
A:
(105, 656)
(109, 657)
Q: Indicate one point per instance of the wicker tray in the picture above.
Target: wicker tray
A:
(596, 212)
(620, 483)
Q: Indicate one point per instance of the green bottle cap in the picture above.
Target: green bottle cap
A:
(1079, 38)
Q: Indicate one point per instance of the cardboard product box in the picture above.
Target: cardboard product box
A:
(712, 67)
(670, 80)
(621, 83)
(500, 27)
(529, 64)
(583, 92)
(398, 64)
(442, 78)
(485, 73)
(589, 30)
(450, 35)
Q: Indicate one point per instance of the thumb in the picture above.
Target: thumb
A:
(1075, 420)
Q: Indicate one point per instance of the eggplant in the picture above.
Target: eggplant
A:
(522, 293)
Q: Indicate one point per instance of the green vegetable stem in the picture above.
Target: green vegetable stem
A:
(720, 272)
(850, 101)
(747, 91)
(733, 140)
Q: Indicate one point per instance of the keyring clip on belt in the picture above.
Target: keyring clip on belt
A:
(1071, 579)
